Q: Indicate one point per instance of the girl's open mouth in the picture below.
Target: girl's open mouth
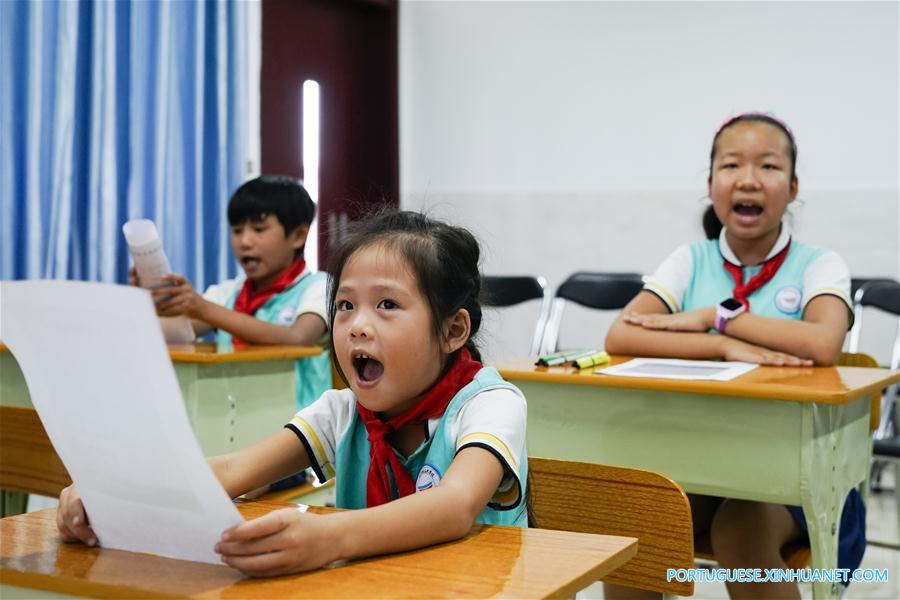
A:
(368, 370)
(746, 209)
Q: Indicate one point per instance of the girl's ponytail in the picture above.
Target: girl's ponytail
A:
(712, 226)
(473, 306)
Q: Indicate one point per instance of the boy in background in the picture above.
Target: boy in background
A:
(277, 300)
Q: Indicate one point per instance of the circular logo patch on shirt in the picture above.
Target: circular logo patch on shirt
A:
(429, 477)
(787, 299)
(285, 317)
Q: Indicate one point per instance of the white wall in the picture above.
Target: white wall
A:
(575, 136)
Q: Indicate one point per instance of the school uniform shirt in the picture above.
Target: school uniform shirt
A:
(306, 295)
(488, 413)
(694, 277)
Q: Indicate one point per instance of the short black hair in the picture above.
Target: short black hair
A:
(278, 195)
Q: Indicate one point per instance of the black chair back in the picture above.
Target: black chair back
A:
(858, 283)
(606, 291)
(502, 290)
(883, 294)
(498, 291)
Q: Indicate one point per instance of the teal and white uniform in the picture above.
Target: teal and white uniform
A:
(305, 295)
(694, 277)
(488, 412)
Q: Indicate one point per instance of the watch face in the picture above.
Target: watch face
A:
(731, 304)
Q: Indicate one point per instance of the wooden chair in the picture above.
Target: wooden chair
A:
(859, 359)
(798, 555)
(28, 462)
(592, 498)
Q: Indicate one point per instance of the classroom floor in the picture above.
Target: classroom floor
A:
(881, 526)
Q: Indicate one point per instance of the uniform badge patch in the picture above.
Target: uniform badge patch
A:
(429, 477)
(285, 317)
(787, 299)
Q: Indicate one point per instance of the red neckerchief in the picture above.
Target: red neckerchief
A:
(770, 267)
(432, 404)
(249, 300)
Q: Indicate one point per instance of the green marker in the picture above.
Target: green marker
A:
(560, 358)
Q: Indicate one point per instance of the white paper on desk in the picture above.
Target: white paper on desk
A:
(100, 377)
(672, 368)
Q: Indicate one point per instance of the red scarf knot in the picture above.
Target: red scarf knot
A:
(433, 403)
(743, 290)
(249, 300)
(377, 432)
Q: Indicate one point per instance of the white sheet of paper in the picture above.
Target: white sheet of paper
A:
(101, 380)
(672, 368)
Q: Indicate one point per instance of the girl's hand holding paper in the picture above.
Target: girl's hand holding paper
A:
(281, 542)
(71, 518)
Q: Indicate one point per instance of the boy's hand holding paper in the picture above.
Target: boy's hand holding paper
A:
(152, 271)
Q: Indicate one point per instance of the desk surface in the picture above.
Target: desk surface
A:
(489, 561)
(209, 354)
(828, 385)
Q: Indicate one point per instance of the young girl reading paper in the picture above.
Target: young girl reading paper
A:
(426, 440)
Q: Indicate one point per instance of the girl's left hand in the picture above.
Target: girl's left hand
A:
(701, 319)
(281, 542)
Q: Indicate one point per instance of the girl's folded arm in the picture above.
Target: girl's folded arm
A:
(818, 337)
(444, 513)
(634, 340)
(268, 460)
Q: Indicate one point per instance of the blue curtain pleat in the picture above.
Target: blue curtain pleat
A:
(76, 258)
(122, 127)
(118, 110)
(14, 18)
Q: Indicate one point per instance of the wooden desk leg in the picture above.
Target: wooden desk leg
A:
(833, 461)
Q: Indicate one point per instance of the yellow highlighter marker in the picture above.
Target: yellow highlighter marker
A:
(594, 360)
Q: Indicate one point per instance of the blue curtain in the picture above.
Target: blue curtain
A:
(118, 110)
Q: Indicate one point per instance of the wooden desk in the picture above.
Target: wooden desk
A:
(490, 561)
(232, 398)
(776, 434)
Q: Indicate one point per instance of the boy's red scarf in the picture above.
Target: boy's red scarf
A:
(433, 403)
(249, 300)
(769, 268)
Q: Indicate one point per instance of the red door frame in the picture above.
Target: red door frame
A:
(350, 48)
